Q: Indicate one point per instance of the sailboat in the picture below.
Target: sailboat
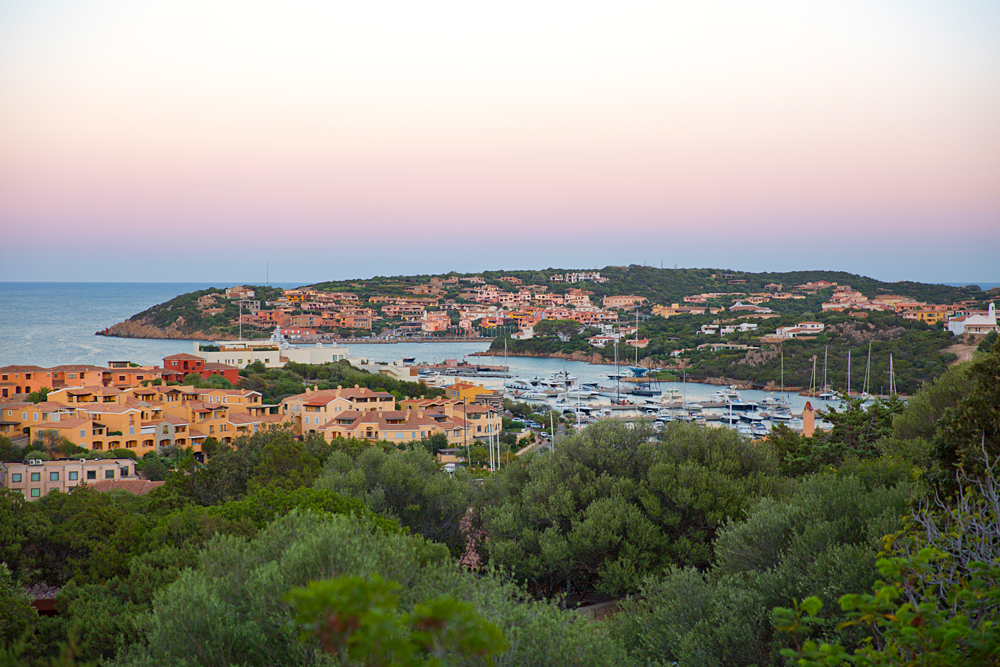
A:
(827, 394)
(783, 412)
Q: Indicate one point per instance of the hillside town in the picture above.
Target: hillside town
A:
(143, 409)
(477, 308)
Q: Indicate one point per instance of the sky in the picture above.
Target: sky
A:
(217, 140)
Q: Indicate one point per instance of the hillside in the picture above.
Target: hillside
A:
(181, 317)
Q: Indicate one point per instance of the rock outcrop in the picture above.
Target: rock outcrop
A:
(143, 329)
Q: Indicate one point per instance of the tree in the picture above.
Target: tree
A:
(16, 613)
(358, 620)
(972, 426)
(920, 417)
(939, 599)
(9, 452)
(39, 396)
(407, 486)
(856, 429)
(613, 504)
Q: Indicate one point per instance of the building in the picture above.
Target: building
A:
(800, 329)
(271, 353)
(623, 301)
(974, 324)
(314, 409)
(16, 380)
(36, 478)
(176, 366)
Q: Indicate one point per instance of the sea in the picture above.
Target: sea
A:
(50, 324)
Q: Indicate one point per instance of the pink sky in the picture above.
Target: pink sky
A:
(415, 137)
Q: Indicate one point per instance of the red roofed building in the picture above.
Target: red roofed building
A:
(176, 366)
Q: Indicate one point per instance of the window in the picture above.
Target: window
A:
(125, 472)
(73, 475)
(24, 416)
(91, 474)
(53, 477)
(72, 376)
(36, 493)
(109, 474)
(83, 433)
(15, 477)
(36, 477)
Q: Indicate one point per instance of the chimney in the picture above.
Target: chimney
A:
(808, 421)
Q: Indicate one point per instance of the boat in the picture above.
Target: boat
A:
(726, 394)
(770, 401)
(743, 406)
(759, 429)
(753, 416)
(644, 390)
(693, 406)
(520, 385)
(744, 429)
(828, 395)
(730, 419)
(781, 416)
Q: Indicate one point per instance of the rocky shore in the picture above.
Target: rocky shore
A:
(140, 329)
(595, 358)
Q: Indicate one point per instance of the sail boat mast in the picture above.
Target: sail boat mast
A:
(868, 368)
(826, 351)
(782, 378)
(892, 378)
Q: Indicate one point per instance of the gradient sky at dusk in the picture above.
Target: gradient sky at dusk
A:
(202, 140)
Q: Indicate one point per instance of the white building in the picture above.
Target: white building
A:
(272, 353)
(974, 324)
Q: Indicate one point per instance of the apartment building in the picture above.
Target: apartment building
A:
(36, 478)
(141, 419)
(316, 408)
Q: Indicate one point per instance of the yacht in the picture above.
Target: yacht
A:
(753, 416)
(759, 429)
(742, 406)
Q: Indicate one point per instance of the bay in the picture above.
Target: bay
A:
(49, 324)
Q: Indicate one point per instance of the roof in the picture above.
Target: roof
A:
(183, 356)
(327, 396)
(70, 423)
(69, 368)
(139, 487)
(21, 369)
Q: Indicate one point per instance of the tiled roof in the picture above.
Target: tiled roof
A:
(139, 487)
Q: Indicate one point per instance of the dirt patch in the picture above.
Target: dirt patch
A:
(960, 350)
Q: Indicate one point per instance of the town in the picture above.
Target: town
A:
(471, 307)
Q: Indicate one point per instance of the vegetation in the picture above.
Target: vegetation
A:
(845, 548)
(183, 314)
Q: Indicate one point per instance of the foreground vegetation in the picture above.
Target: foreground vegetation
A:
(874, 543)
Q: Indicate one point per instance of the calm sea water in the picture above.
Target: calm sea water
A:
(48, 324)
